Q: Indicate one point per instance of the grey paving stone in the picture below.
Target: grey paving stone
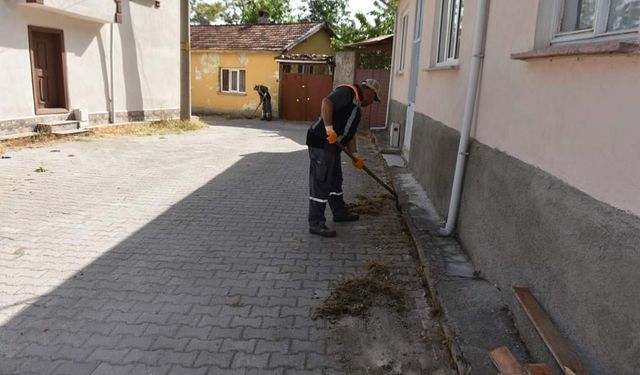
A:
(176, 254)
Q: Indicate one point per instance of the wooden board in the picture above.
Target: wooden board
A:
(505, 362)
(558, 346)
(539, 369)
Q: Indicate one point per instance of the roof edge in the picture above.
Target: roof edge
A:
(320, 26)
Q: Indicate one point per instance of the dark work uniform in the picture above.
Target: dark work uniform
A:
(325, 173)
(265, 97)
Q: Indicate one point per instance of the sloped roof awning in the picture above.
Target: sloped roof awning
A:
(305, 59)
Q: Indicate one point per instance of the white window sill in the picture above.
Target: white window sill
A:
(596, 48)
(436, 68)
(232, 93)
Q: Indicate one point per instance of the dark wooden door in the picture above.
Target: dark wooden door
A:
(293, 104)
(319, 86)
(47, 69)
(302, 93)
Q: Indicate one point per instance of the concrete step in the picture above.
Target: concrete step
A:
(70, 132)
(58, 127)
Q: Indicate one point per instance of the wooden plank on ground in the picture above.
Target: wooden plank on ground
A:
(505, 362)
(539, 369)
(560, 349)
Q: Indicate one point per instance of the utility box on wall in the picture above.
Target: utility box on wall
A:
(394, 135)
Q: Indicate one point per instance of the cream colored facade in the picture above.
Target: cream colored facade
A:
(550, 196)
(575, 117)
(145, 57)
(261, 68)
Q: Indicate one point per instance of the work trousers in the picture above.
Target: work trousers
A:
(325, 183)
(266, 107)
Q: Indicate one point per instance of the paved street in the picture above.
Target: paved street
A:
(179, 254)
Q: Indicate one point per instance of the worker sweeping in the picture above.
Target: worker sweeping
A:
(265, 100)
(338, 122)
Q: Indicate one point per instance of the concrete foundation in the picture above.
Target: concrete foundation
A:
(524, 227)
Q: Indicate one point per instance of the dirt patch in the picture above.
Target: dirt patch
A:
(369, 205)
(150, 128)
(375, 330)
(140, 129)
(355, 296)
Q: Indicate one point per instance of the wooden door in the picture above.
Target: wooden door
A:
(319, 86)
(293, 104)
(46, 49)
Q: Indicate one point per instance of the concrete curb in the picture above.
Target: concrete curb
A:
(474, 318)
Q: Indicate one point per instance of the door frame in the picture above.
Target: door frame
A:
(413, 77)
(63, 71)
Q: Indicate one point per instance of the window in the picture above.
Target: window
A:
(582, 19)
(233, 80)
(403, 43)
(450, 31)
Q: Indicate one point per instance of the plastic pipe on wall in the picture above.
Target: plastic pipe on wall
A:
(479, 39)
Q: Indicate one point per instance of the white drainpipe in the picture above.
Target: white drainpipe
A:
(112, 110)
(469, 110)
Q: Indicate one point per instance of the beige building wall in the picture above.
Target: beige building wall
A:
(146, 59)
(401, 79)
(574, 117)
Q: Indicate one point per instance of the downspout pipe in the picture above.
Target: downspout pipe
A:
(112, 110)
(479, 40)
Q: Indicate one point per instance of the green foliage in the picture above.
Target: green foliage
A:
(350, 29)
(383, 18)
(205, 13)
(246, 11)
(335, 12)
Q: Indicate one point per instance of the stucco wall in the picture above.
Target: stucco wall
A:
(261, 68)
(550, 198)
(319, 43)
(400, 92)
(146, 60)
(583, 108)
(345, 72)
(95, 10)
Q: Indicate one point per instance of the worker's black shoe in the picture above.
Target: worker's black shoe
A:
(321, 230)
(349, 216)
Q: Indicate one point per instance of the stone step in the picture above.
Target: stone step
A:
(58, 127)
(70, 132)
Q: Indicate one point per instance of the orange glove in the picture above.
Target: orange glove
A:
(358, 163)
(332, 136)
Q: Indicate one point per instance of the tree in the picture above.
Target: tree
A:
(204, 13)
(246, 11)
(352, 29)
(335, 12)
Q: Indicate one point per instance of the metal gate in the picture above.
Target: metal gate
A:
(301, 94)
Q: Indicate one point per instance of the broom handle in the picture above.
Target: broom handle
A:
(373, 175)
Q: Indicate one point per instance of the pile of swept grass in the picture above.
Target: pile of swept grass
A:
(355, 296)
(372, 205)
(163, 127)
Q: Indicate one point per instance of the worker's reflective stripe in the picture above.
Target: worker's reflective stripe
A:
(319, 200)
(332, 193)
(350, 120)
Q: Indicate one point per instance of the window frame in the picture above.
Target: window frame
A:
(448, 61)
(597, 33)
(402, 53)
(229, 89)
